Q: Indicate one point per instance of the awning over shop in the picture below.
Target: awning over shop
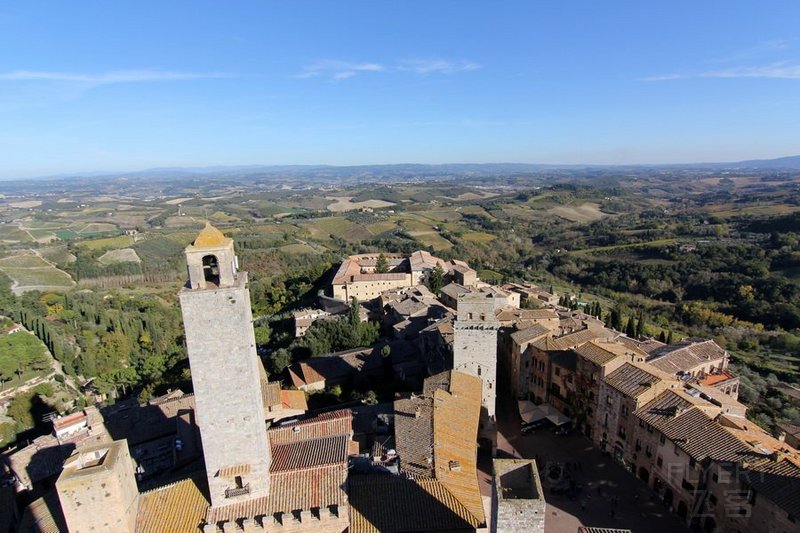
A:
(530, 412)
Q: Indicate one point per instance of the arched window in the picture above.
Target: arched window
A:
(211, 269)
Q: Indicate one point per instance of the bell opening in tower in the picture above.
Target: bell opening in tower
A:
(211, 269)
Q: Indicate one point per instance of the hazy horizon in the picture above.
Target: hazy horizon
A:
(87, 89)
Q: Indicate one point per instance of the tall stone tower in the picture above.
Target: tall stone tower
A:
(97, 490)
(475, 350)
(225, 371)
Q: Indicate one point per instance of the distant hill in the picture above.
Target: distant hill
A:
(332, 173)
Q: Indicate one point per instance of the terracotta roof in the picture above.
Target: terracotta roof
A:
(601, 352)
(453, 290)
(647, 345)
(714, 379)
(456, 413)
(38, 516)
(685, 355)
(176, 508)
(320, 487)
(565, 342)
(691, 429)
(65, 421)
(790, 427)
(309, 453)
(413, 427)
(528, 334)
(632, 380)
(294, 399)
(386, 504)
(270, 393)
(210, 237)
(777, 480)
(325, 425)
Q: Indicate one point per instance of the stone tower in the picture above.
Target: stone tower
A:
(225, 371)
(97, 490)
(475, 350)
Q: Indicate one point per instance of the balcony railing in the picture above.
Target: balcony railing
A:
(237, 491)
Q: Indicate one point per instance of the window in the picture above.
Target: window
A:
(211, 269)
(609, 401)
(621, 432)
(624, 410)
(712, 499)
(677, 451)
(558, 371)
(659, 461)
(692, 462)
(714, 477)
(686, 485)
(663, 439)
(649, 428)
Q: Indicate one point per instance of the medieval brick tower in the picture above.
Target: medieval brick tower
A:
(475, 350)
(225, 371)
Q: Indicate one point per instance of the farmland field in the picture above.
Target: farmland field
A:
(29, 272)
(123, 255)
(345, 203)
(123, 241)
(588, 212)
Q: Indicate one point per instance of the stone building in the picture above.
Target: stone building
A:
(97, 490)
(226, 371)
(596, 359)
(715, 470)
(520, 500)
(475, 351)
(699, 360)
(622, 392)
(356, 276)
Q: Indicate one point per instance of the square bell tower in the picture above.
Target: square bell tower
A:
(226, 371)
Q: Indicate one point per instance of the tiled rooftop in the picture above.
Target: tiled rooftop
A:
(632, 380)
(601, 352)
(292, 490)
(685, 355)
(383, 504)
(570, 340)
(176, 508)
(528, 334)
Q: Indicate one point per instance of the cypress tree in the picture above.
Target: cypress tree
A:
(630, 328)
(662, 337)
(640, 325)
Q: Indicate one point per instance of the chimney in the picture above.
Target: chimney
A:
(782, 436)
(417, 412)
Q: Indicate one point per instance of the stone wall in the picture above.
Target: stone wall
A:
(227, 388)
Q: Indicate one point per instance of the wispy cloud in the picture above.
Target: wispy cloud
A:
(782, 70)
(104, 78)
(437, 66)
(342, 70)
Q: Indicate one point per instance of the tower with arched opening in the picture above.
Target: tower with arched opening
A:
(225, 371)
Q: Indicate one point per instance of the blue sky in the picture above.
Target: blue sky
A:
(124, 85)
